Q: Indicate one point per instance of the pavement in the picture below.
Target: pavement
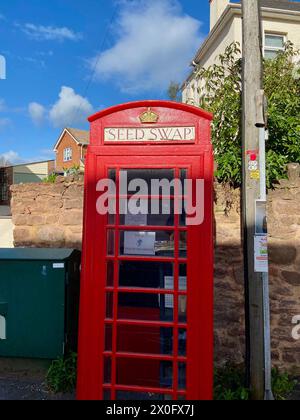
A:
(6, 228)
(16, 387)
(25, 379)
(5, 211)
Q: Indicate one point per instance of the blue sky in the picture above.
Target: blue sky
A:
(69, 58)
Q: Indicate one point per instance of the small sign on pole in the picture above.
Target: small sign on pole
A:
(261, 254)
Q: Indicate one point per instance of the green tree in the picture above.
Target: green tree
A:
(4, 163)
(221, 93)
(174, 92)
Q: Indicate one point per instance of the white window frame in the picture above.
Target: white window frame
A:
(68, 153)
(274, 49)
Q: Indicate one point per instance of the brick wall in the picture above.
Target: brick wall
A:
(51, 166)
(51, 215)
(68, 141)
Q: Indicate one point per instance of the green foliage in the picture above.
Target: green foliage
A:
(230, 384)
(276, 168)
(282, 87)
(62, 374)
(74, 170)
(229, 380)
(282, 385)
(174, 92)
(50, 179)
(221, 93)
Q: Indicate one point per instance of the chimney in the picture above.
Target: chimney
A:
(217, 7)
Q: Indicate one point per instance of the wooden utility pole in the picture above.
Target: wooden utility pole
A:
(252, 85)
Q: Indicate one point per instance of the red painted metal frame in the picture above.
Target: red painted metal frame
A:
(197, 158)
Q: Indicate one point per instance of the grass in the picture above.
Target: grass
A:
(230, 384)
(229, 381)
(61, 377)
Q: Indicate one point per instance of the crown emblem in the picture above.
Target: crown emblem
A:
(149, 117)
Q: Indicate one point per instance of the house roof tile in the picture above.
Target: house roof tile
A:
(82, 136)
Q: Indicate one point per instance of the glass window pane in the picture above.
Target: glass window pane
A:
(183, 174)
(147, 175)
(182, 277)
(111, 218)
(145, 307)
(160, 243)
(183, 245)
(182, 309)
(110, 274)
(110, 242)
(166, 369)
(275, 41)
(182, 214)
(182, 376)
(145, 339)
(106, 395)
(144, 274)
(107, 370)
(67, 154)
(169, 283)
(108, 337)
(147, 212)
(270, 54)
(112, 174)
(182, 338)
(144, 373)
(109, 305)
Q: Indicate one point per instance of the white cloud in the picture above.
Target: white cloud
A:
(154, 45)
(42, 155)
(47, 153)
(11, 157)
(49, 33)
(4, 122)
(70, 108)
(37, 112)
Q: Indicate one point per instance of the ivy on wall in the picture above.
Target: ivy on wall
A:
(220, 89)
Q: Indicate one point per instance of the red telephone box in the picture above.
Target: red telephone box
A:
(146, 316)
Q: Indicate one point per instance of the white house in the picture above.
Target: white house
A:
(280, 23)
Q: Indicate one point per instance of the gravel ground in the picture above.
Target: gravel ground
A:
(16, 387)
(296, 394)
(24, 387)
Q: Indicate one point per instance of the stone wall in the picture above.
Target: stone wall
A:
(50, 215)
(284, 250)
(229, 277)
(284, 229)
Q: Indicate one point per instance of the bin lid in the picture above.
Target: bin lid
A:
(45, 254)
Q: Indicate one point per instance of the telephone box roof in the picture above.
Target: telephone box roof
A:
(152, 103)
